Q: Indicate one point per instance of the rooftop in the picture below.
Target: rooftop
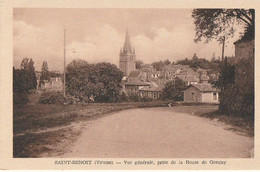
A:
(134, 73)
(204, 87)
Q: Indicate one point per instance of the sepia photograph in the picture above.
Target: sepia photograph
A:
(133, 83)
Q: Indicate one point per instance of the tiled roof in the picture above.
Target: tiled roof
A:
(151, 89)
(188, 78)
(134, 73)
(204, 87)
(136, 82)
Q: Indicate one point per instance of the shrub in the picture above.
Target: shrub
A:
(52, 98)
(123, 97)
(146, 99)
(20, 98)
(133, 97)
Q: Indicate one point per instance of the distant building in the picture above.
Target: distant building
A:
(133, 85)
(201, 93)
(188, 76)
(54, 84)
(151, 91)
(127, 57)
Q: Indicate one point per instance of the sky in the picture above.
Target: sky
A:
(96, 35)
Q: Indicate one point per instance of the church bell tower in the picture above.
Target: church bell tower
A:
(127, 57)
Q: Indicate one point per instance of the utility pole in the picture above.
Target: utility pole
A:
(64, 82)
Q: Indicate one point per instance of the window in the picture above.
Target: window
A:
(192, 95)
(214, 96)
(154, 95)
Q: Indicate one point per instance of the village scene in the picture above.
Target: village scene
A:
(190, 107)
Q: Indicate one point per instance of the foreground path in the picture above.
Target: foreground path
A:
(158, 133)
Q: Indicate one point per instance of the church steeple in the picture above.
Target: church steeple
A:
(127, 46)
(127, 57)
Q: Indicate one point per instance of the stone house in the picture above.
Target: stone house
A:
(201, 93)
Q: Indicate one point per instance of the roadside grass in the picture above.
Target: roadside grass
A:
(236, 122)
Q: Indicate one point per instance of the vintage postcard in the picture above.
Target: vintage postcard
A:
(129, 84)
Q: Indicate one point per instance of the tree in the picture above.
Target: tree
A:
(173, 89)
(167, 62)
(218, 24)
(45, 71)
(158, 65)
(24, 79)
(195, 57)
(25, 64)
(139, 64)
(101, 80)
(32, 75)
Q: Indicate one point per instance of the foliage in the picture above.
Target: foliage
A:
(166, 62)
(237, 88)
(173, 89)
(20, 98)
(227, 75)
(24, 79)
(139, 64)
(25, 64)
(45, 71)
(32, 75)
(101, 80)
(160, 64)
(196, 62)
(52, 98)
(146, 99)
(218, 23)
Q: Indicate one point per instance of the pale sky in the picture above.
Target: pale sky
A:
(96, 35)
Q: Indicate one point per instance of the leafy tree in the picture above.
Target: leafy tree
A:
(24, 79)
(196, 63)
(227, 75)
(101, 80)
(25, 64)
(158, 65)
(139, 64)
(167, 62)
(173, 89)
(218, 24)
(32, 75)
(45, 71)
(195, 57)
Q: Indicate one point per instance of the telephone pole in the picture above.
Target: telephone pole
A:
(64, 82)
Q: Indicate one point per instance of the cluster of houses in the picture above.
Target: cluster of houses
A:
(148, 82)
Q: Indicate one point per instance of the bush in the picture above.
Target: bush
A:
(123, 97)
(52, 98)
(20, 98)
(133, 97)
(146, 99)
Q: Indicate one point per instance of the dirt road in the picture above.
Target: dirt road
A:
(158, 133)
